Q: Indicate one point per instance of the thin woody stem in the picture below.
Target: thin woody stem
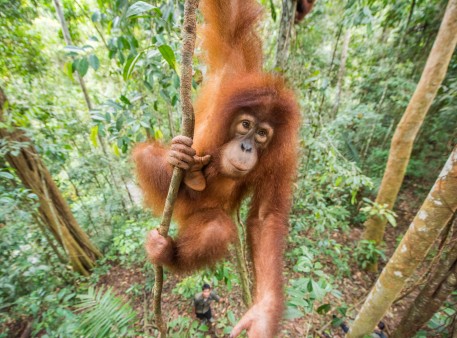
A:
(187, 128)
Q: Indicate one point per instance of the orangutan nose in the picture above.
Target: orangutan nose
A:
(246, 146)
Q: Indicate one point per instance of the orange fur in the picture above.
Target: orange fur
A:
(234, 82)
(303, 8)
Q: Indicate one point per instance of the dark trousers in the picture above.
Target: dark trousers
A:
(206, 315)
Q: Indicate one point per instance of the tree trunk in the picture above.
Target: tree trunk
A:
(437, 210)
(53, 209)
(408, 127)
(241, 264)
(289, 8)
(441, 283)
(341, 72)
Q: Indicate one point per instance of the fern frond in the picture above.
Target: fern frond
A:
(102, 314)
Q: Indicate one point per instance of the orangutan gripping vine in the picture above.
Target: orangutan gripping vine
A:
(245, 145)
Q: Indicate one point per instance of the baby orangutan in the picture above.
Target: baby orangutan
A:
(244, 145)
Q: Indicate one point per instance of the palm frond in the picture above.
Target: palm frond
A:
(102, 314)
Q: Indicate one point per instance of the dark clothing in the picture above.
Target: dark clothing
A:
(376, 334)
(201, 304)
(207, 315)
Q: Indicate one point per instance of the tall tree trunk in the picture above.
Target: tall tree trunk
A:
(437, 210)
(408, 127)
(289, 8)
(437, 288)
(341, 72)
(53, 209)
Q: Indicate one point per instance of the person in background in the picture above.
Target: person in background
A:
(202, 303)
(377, 333)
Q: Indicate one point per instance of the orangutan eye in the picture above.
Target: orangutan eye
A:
(262, 132)
(246, 124)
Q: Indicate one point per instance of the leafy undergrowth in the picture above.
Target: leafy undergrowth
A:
(350, 290)
(323, 280)
(329, 291)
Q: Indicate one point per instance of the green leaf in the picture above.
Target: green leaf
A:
(130, 65)
(293, 313)
(74, 65)
(138, 8)
(116, 150)
(6, 175)
(228, 329)
(83, 66)
(203, 328)
(94, 61)
(125, 100)
(95, 16)
(353, 196)
(94, 134)
(231, 317)
(273, 10)
(338, 181)
(317, 290)
(68, 70)
(391, 219)
(158, 134)
(169, 56)
(323, 309)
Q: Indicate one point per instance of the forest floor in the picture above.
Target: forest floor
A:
(354, 288)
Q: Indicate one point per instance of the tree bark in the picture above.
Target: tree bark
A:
(188, 32)
(289, 8)
(341, 72)
(241, 264)
(434, 214)
(408, 127)
(437, 288)
(53, 209)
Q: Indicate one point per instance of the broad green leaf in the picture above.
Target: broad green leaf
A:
(130, 65)
(94, 134)
(94, 61)
(138, 8)
(323, 309)
(203, 328)
(169, 56)
(293, 313)
(6, 175)
(231, 317)
(83, 66)
(317, 290)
